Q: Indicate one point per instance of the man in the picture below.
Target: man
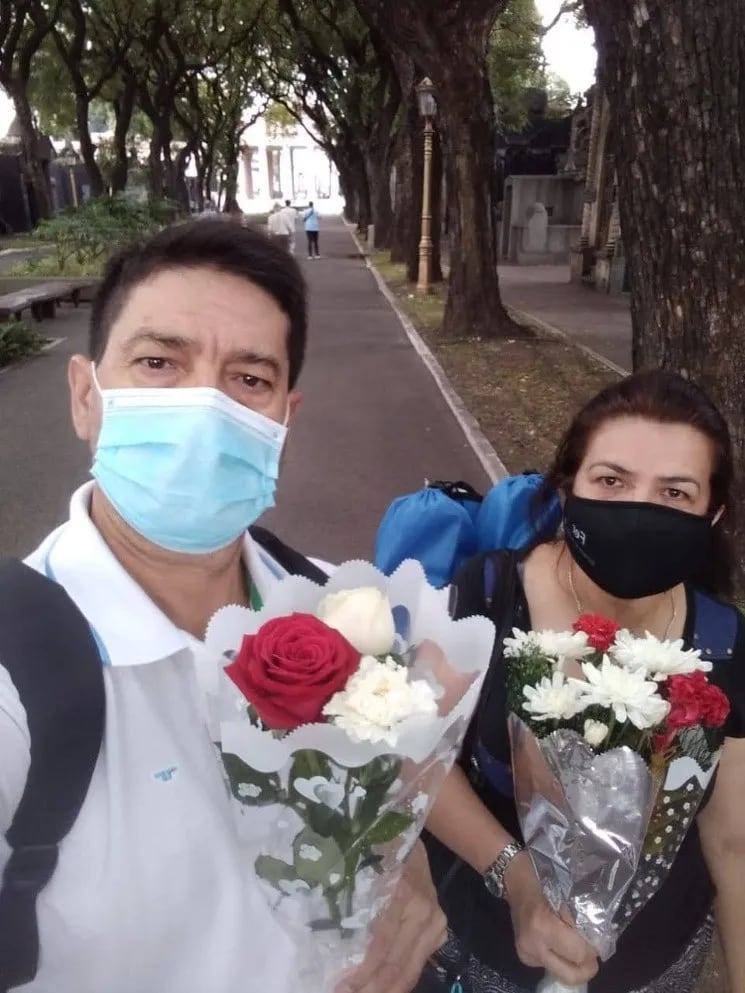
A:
(197, 340)
(312, 226)
(289, 215)
(277, 227)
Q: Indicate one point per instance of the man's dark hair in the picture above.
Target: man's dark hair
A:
(199, 244)
(288, 203)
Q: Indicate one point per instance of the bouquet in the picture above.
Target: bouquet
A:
(337, 718)
(615, 740)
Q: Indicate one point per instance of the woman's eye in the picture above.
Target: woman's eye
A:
(674, 494)
(610, 481)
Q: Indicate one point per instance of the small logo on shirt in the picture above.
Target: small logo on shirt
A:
(166, 775)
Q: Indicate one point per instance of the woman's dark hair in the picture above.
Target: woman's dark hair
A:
(667, 398)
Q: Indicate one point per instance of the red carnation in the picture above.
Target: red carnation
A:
(290, 669)
(601, 632)
(694, 700)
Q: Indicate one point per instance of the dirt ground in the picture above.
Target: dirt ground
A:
(523, 391)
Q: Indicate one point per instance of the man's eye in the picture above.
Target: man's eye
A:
(153, 362)
(674, 494)
(610, 481)
(255, 383)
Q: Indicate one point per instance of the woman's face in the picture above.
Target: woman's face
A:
(631, 458)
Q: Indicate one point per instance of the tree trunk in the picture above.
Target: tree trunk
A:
(87, 148)
(672, 71)
(467, 131)
(231, 183)
(377, 167)
(448, 41)
(29, 140)
(155, 164)
(123, 109)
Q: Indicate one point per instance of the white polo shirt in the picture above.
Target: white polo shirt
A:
(153, 892)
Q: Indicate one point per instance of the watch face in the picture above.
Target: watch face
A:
(494, 884)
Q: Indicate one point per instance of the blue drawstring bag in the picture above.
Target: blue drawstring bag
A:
(444, 524)
(436, 526)
(508, 517)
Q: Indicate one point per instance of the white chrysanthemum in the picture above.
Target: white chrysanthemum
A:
(554, 698)
(627, 692)
(377, 698)
(595, 733)
(521, 642)
(561, 646)
(656, 659)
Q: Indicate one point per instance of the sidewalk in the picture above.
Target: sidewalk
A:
(599, 322)
(372, 425)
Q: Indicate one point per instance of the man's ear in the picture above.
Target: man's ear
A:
(85, 404)
(293, 402)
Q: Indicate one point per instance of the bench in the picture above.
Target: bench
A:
(42, 298)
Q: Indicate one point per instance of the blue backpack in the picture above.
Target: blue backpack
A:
(444, 524)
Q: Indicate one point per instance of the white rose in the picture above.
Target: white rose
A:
(554, 698)
(595, 733)
(363, 616)
(628, 693)
(377, 698)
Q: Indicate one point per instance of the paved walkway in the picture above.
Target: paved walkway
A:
(595, 320)
(372, 425)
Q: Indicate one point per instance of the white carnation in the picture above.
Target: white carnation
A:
(628, 693)
(595, 733)
(520, 643)
(656, 659)
(554, 698)
(377, 698)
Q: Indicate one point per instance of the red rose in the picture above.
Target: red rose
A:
(601, 632)
(290, 669)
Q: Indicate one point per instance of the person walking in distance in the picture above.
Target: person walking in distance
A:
(312, 229)
(277, 227)
(289, 220)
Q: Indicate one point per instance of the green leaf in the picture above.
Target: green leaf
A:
(388, 828)
(316, 858)
(274, 871)
(254, 789)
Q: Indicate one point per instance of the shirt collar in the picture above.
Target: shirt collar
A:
(129, 627)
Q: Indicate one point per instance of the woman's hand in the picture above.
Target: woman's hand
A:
(545, 939)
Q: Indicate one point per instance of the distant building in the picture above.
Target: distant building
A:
(284, 163)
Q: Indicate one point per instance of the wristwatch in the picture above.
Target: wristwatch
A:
(494, 875)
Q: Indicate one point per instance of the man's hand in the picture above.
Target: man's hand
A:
(410, 930)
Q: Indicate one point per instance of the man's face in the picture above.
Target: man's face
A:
(191, 327)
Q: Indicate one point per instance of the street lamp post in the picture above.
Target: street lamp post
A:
(425, 92)
(69, 160)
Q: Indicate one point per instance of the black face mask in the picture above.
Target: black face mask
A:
(634, 550)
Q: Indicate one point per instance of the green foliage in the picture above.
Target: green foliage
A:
(280, 122)
(18, 340)
(515, 61)
(82, 238)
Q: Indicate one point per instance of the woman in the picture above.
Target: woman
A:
(645, 474)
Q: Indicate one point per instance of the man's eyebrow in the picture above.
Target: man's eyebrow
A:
(250, 357)
(164, 338)
(167, 339)
(619, 469)
(672, 480)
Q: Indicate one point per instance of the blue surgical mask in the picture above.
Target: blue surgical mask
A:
(187, 468)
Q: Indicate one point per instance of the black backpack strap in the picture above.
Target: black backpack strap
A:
(293, 562)
(48, 649)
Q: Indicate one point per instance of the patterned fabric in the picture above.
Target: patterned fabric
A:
(681, 977)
